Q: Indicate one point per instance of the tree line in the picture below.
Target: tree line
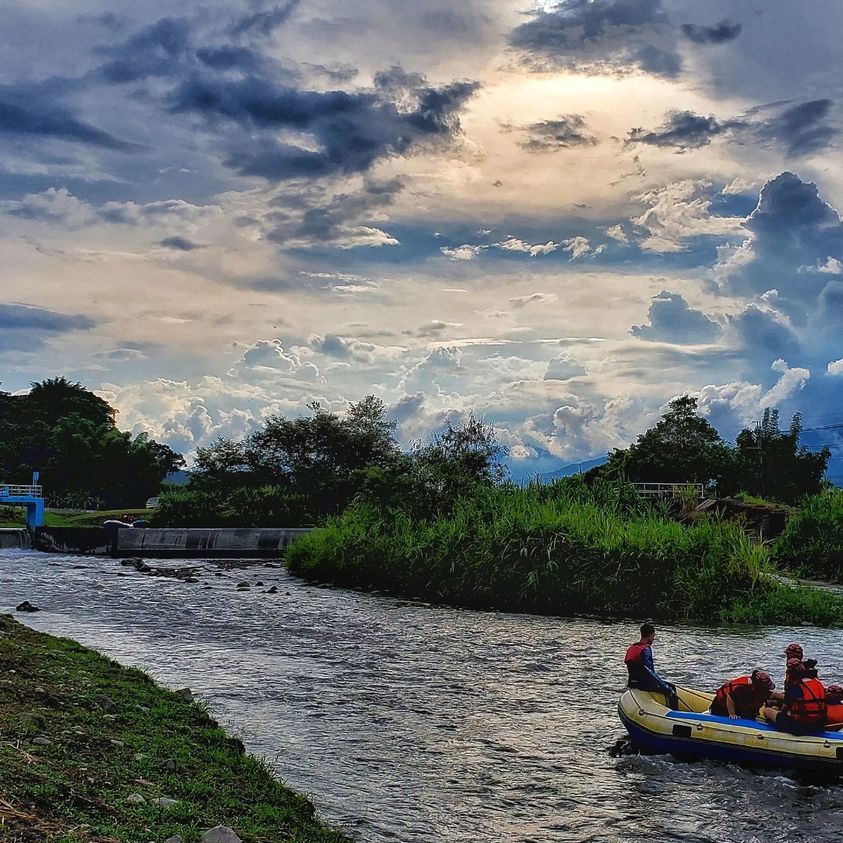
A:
(69, 435)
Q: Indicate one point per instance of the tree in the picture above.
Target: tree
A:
(318, 457)
(69, 434)
(682, 448)
(771, 463)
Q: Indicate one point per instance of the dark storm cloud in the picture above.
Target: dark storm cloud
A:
(602, 36)
(764, 333)
(158, 49)
(28, 318)
(672, 320)
(228, 57)
(318, 218)
(801, 129)
(180, 244)
(718, 34)
(564, 132)
(43, 118)
(793, 234)
(265, 22)
(352, 130)
(681, 130)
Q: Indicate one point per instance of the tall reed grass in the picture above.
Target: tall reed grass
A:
(560, 549)
(812, 541)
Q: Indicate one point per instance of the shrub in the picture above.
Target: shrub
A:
(812, 541)
(556, 549)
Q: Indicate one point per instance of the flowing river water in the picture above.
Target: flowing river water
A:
(411, 723)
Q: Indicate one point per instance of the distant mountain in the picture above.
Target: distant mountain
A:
(177, 478)
(572, 468)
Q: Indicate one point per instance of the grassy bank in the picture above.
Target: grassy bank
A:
(812, 542)
(76, 787)
(556, 551)
(15, 517)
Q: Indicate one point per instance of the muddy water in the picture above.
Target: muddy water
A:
(411, 723)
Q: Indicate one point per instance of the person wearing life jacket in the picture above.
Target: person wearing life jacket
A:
(834, 700)
(743, 697)
(642, 671)
(792, 653)
(805, 708)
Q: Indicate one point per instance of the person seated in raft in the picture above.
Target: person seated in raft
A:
(804, 708)
(834, 700)
(792, 652)
(743, 697)
(642, 671)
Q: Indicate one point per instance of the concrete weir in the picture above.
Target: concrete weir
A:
(208, 543)
(10, 538)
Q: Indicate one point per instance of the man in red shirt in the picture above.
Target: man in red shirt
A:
(743, 697)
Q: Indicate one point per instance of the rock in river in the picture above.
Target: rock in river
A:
(26, 606)
(220, 834)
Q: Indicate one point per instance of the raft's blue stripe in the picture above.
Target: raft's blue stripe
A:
(753, 724)
(667, 745)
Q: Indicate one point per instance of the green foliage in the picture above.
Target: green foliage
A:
(244, 506)
(770, 462)
(76, 787)
(785, 606)
(812, 541)
(318, 457)
(682, 447)
(68, 434)
(554, 550)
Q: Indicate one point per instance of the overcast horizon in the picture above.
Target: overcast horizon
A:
(559, 215)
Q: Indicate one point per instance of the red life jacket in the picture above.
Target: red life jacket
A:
(811, 709)
(748, 698)
(634, 653)
(835, 716)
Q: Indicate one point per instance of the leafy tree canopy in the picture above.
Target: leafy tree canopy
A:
(682, 447)
(69, 435)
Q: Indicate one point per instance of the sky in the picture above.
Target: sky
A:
(557, 215)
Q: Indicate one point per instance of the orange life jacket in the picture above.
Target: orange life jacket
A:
(835, 716)
(746, 701)
(811, 709)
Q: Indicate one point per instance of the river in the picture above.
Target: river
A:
(411, 723)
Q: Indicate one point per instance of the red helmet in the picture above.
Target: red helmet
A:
(760, 677)
(795, 664)
(834, 692)
(794, 651)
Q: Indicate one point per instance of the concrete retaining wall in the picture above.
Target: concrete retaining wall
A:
(14, 538)
(207, 543)
(92, 541)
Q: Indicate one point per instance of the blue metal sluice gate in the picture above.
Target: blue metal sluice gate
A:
(30, 496)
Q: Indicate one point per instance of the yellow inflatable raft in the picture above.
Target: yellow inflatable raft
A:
(693, 731)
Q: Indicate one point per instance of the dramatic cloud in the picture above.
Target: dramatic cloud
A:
(672, 320)
(180, 244)
(45, 119)
(718, 34)
(349, 131)
(682, 130)
(800, 129)
(679, 212)
(600, 36)
(566, 131)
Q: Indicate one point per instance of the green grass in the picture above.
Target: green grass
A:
(76, 788)
(559, 551)
(541, 551)
(812, 542)
(14, 517)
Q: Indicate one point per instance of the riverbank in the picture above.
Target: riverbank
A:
(92, 751)
(560, 551)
